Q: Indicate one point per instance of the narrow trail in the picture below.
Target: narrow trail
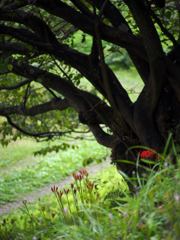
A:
(11, 206)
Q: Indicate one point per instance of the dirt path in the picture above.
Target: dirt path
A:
(47, 189)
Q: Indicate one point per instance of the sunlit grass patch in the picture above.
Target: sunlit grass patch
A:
(34, 172)
(131, 81)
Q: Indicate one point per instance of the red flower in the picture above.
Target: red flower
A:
(43, 208)
(66, 191)
(53, 189)
(74, 175)
(24, 202)
(59, 194)
(146, 154)
(12, 221)
(80, 177)
(81, 172)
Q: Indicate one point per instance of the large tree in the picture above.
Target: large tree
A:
(42, 91)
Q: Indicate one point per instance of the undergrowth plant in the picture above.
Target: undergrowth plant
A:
(78, 205)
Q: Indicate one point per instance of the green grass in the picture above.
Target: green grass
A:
(17, 153)
(153, 213)
(21, 172)
(130, 80)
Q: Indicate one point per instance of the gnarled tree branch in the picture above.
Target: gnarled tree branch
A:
(54, 104)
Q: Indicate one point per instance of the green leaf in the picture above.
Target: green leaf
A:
(10, 67)
(168, 14)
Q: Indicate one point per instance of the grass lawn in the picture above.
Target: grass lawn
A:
(21, 172)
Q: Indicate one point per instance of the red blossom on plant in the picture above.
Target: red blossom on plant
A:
(84, 171)
(59, 194)
(72, 185)
(80, 177)
(66, 191)
(53, 214)
(81, 172)
(43, 208)
(97, 197)
(54, 189)
(146, 154)
(76, 177)
(74, 191)
(12, 221)
(24, 202)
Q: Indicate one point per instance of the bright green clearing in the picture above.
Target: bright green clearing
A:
(21, 172)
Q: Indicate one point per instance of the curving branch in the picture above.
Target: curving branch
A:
(118, 21)
(102, 137)
(82, 8)
(164, 30)
(15, 48)
(37, 25)
(173, 75)
(14, 5)
(3, 87)
(103, 67)
(54, 104)
(86, 24)
(47, 135)
(154, 49)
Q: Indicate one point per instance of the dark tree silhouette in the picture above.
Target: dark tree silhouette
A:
(40, 92)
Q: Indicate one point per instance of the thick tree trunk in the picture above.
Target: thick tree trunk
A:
(150, 132)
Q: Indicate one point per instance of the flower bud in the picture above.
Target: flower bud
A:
(43, 208)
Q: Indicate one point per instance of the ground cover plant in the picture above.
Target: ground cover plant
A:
(43, 71)
(97, 209)
(22, 177)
